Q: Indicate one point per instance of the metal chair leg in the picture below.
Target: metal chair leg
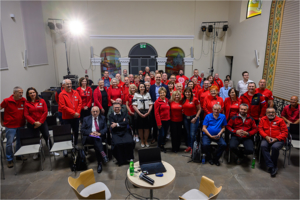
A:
(41, 159)
(15, 166)
(289, 158)
(229, 155)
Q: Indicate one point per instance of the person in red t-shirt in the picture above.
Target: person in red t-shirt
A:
(171, 87)
(114, 91)
(197, 77)
(212, 82)
(35, 112)
(191, 112)
(192, 86)
(181, 78)
(129, 106)
(86, 94)
(152, 76)
(197, 85)
(211, 100)
(13, 121)
(265, 92)
(125, 91)
(204, 92)
(176, 120)
(290, 113)
(162, 117)
(101, 98)
(164, 79)
(218, 81)
(70, 103)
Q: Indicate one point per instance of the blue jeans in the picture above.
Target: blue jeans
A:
(162, 132)
(206, 140)
(10, 134)
(191, 129)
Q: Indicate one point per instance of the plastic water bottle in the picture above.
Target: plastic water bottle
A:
(131, 168)
(203, 159)
(253, 163)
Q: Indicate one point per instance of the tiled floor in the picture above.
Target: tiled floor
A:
(238, 181)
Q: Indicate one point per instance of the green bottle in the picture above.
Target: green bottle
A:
(131, 168)
(253, 163)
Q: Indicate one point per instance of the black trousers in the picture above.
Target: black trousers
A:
(84, 113)
(75, 126)
(176, 133)
(44, 130)
(97, 142)
(271, 160)
(154, 125)
(247, 142)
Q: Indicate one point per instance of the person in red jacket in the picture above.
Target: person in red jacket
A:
(191, 111)
(181, 78)
(218, 81)
(211, 100)
(129, 106)
(202, 93)
(121, 83)
(256, 102)
(265, 92)
(176, 121)
(152, 76)
(198, 78)
(101, 98)
(197, 84)
(86, 94)
(70, 103)
(13, 121)
(35, 112)
(241, 127)
(232, 104)
(164, 79)
(114, 91)
(274, 131)
(125, 91)
(212, 82)
(290, 113)
(162, 117)
(192, 85)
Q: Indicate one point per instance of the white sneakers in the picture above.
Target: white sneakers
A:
(55, 153)
(136, 138)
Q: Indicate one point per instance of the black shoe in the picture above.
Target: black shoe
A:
(217, 162)
(270, 170)
(211, 162)
(99, 168)
(65, 152)
(105, 159)
(162, 148)
(274, 171)
(21, 158)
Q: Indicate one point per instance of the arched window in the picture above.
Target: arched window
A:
(175, 61)
(110, 61)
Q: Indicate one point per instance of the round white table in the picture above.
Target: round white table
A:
(159, 182)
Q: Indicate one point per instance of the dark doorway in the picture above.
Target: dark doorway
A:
(142, 55)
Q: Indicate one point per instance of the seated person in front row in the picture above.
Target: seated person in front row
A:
(274, 131)
(122, 143)
(290, 113)
(111, 110)
(242, 127)
(93, 130)
(213, 127)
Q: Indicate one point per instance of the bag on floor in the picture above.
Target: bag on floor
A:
(78, 161)
(196, 152)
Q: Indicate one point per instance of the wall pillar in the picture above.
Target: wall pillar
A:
(96, 62)
(124, 64)
(188, 63)
(161, 63)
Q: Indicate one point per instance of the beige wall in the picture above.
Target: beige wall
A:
(40, 77)
(139, 18)
(245, 36)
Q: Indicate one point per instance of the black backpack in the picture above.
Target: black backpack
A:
(78, 160)
(196, 152)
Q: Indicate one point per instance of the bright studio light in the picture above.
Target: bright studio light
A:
(76, 27)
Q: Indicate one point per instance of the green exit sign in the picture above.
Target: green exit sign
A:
(143, 45)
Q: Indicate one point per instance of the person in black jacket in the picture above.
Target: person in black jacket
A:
(154, 95)
(122, 144)
(93, 131)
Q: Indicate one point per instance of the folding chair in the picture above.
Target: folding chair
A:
(51, 121)
(294, 133)
(104, 143)
(46, 96)
(30, 144)
(213, 143)
(62, 139)
(54, 110)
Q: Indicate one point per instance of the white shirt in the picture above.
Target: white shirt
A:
(93, 124)
(117, 114)
(242, 87)
(142, 101)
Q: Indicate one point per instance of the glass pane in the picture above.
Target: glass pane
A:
(152, 62)
(134, 62)
(134, 70)
(175, 60)
(144, 62)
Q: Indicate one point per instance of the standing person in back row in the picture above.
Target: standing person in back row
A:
(265, 92)
(181, 78)
(70, 103)
(256, 102)
(196, 75)
(86, 94)
(106, 80)
(218, 81)
(242, 85)
(14, 120)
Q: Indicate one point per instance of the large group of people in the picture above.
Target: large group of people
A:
(130, 108)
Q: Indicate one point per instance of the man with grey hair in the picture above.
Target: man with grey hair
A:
(147, 71)
(152, 76)
(124, 74)
(93, 131)
(274, 132)
(203, 78)
(13, 121)
(213, 127)
(242, 127)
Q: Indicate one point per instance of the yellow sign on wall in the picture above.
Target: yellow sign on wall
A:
(254, 8)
